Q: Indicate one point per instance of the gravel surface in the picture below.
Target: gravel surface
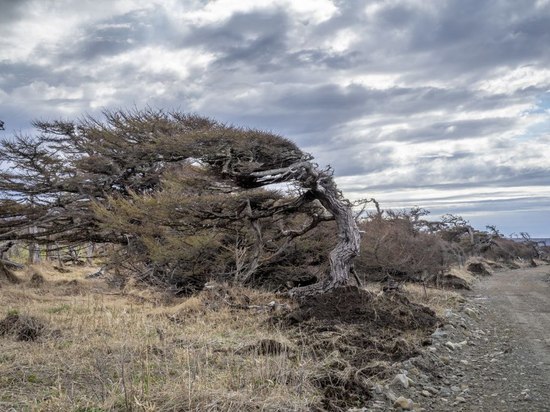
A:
(492, 354)
(517, 322)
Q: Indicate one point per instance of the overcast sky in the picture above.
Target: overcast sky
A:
(435, 103)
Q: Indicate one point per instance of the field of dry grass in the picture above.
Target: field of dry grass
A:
(103, 348)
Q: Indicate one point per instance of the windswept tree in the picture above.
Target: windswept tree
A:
(105, 180)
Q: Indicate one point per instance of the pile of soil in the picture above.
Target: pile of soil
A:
(358, 334)
(24, 328)
(350, 305)
(448, 280)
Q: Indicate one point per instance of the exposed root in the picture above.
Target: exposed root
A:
(316, 289)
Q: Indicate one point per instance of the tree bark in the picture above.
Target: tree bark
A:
(90, 249)
(244, 276)
(321, 186)
(5, 248)
(34, 248)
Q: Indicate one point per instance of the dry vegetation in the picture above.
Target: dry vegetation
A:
(134, 351)
(101, 348)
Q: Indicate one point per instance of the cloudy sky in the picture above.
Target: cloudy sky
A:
(444, 104)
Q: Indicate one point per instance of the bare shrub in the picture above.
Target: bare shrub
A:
(393, 245)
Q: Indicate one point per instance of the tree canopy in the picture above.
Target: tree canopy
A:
(151, 181)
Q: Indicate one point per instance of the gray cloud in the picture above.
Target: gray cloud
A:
(121, 33)
(256, 38)
(472, 36)
(454, 130)
(464, 177)
(11, 10)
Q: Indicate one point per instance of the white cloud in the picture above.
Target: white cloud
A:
(314, 11)
(508, 81)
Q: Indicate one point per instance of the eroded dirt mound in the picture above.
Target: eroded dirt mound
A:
(351, 305)
(454, 282)
(24, 328)
(358, 335)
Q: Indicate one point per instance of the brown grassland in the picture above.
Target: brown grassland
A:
(102, 347)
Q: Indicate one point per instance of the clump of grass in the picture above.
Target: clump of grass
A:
(58, 308)
(22, 327)
(437, 299)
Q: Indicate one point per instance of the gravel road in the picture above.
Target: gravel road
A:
(492, 354)
(512, 368)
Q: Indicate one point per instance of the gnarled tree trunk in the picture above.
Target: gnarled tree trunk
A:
(321, 186)
(348, 246)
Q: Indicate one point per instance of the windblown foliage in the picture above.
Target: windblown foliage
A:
(174, 189)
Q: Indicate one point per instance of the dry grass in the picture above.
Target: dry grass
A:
(437, 299)
(115, 352)
(462, 273)
(106, 349)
